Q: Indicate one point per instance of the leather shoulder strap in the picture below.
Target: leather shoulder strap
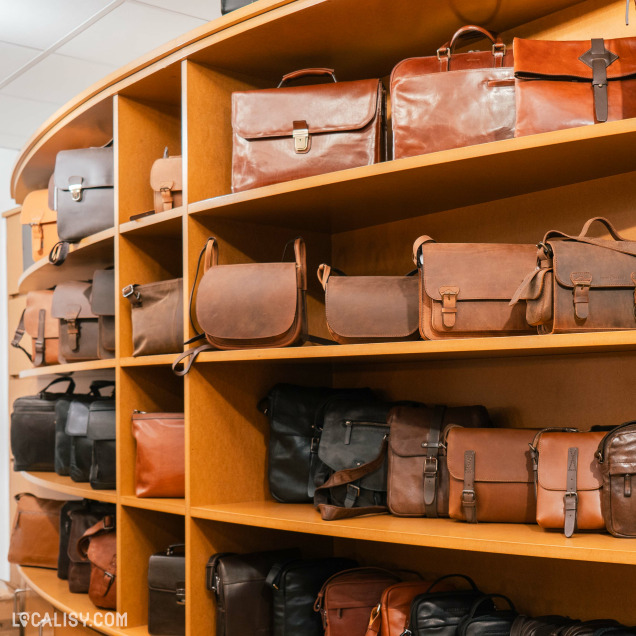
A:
(18, 335)
(417, 247)
(211, 254)
(300, 252)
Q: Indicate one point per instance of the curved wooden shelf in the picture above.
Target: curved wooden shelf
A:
(67, 486)
(148, 361)
(84, 257)
(163, 224)
(171, 506)
(71, 367)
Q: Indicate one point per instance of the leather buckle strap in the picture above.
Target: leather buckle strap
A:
(469, 496)
(166, 197)
(581, 293)
(72, 329)
(431, 463)
(571, 497)
(353, 492)
(132, 294)
(598, 58)
(38, 359)
(18, 335)
(449, 305)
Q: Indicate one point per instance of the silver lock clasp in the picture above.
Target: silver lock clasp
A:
(302, 141)
(75, 187)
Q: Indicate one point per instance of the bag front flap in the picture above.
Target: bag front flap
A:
(166, 572)
(32, 504)
(250, 568)
(103, 292)
(372, 306)
(560, 60)
(553, 460)
(102, 551)
(81, 521)
(166, 173)
(35, 208)
(327, 108)
(480, 271)
(606, 267)
(101, 420)
(35, 301)
(77, 419)
(357, 589)
(72, 300)
(94, 166)
(247, 301)
(502, 455)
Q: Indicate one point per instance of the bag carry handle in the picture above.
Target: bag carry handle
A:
(453, 576)
(97, 386)
(70, 389)
(488, 597)
(307, 72)
(447, 49)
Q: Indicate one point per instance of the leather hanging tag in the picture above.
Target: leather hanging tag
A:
(598, 58)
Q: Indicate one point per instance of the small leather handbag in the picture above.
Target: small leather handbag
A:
(450, 100)
(166, 592)
(296, 416)
(243, 599)
(290, 132)
(616, 455)
(103, 306)
(569, 480)
(478, 623)
(370, 308)
(100, 432)
(491, 475)
(35, 534)
(38, 322)
(41, 220)
(295, 585)
(466, 288)
(160, 456)
(79, 326)
(166, 182)
(346, 600)
(573, 83)
(98, 546)
(156, 312)
(417, 471)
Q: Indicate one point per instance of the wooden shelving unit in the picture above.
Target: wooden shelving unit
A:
(363, 221)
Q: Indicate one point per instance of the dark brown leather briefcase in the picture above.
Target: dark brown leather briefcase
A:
(166, 592)
(450, 100)
(291, 132)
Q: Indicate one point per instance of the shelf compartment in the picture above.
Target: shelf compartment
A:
(171, 506)
(67, 486)
(512, 539)
(84, 257)
(163, 224)
(70, 367)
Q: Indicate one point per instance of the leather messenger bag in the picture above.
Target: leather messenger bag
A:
(450, 100)
(100, 432)
(38, 322)
(98, 546)
(292, 132)
(166, 592)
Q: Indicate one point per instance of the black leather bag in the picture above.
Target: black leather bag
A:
(100, 431)
(166, 592)
(33, 428)
(295, 586)
(296, 416)
(233, 5)
(65, 530)
(479, 623)
(243, 599)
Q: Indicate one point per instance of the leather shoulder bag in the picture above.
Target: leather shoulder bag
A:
(466, 288)
(38, 322)
(491, 476)
(65, 530)
(479, 623)
(160, 454)
(417, 471)
(100, 431)
(573, 83)
(616, 455)
(166, 592)
(450, 100)
(98, 546)
(290, 132)
(103, 306)
(346, 599)
(540, 625)
(41, 220)
(370, 308)
(166, 182)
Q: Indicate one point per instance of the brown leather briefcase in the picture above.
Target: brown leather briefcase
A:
(565, 84)
(292, 132)
(38, 322)
(466, 288)
(98, 546)
(491, 476)
(450, 100)
(166, 182)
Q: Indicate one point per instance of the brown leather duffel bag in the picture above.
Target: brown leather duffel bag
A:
(38, 322)
(450, 100)
(99, 547)
(288, 133)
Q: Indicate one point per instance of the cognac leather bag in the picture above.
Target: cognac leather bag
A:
(569, 481)
(417, 471)
(466, 288)
(103, 306)
(616, 456)
(480, 623)
(451, 100)
(346, 599)
(491, 476)
(35, 535)
(38, 322)
(79, 326)
(42, 221)
(98, 546)
(565, 84)
(287, 132)
(160, 463)
(295, 586)
(582, 283)
(296, 415)
(100, 432)
(166, 592)
(156, 312)
(370, 308)
(166, 182)
(243, 599)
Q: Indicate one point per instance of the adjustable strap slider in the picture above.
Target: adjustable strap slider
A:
(353, 492)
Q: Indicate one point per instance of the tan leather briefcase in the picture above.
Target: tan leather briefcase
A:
(166, 181)
(43, 221)
(38, 322)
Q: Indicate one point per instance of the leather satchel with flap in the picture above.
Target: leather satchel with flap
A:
(166, 592)
(103, 306)
(166, 182)
(98, 546)
(370, 308)
(100, 431)
(38, 322)
(42, 220)
(288, 133)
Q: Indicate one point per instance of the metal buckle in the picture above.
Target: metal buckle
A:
(430, 461)
(180, 593)
(567, 500)
(466, 494)
(129, 290)
(443, 52)
(355, 488)
(76, 191)
(375, 612)
(109, 522)
(301, 140)
(499, 46)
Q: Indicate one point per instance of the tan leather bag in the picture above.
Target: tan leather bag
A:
(160, 463)
(466, 288)
(288, 133)
(35, 535)
(99, 547)
(450, 100)
(38, 322)
(43, 221)
(103, 306)
(491, 476)
(166, 180)
(565, 84)
(569, 481)
(370, 308)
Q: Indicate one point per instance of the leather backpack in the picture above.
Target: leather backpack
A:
(38, 322)
(98, 546)
(166, 182)
(167, 592)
